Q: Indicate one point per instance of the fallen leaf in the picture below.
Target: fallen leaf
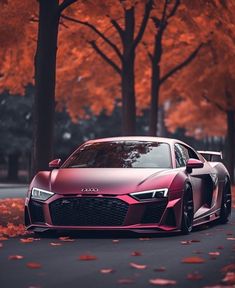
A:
(55, 244)
(228, 268)
(229, 278)
(220, 247)
(186, 242)
(197, 252)
(3, 238)
(137, 266)
(126, 281)
(195, 241)
(160, 269)
(15, 257)
(106, 271)
(144, 239)
(229, 238)
(87, 257)
(194, 276)
(136, 253)
(1, 245)
(162, 282)
(66, 239)
(193, 260)
(115, 241)
(26, 240)
(33, 265)
(214, 254)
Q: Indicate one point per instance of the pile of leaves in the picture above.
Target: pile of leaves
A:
(12, 217)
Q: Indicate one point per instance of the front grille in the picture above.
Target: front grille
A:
(153, 212)
(88, 211)
(36, 212)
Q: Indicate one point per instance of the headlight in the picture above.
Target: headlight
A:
(150, 194)
(39, 194)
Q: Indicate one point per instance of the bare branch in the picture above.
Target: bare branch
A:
(148, 52)
(65, 4)
(181, 65)
(216, 104)
(173, 11)
(118, 28)
(105, 57)
(164, 11)
(148, 8)
(94, 29)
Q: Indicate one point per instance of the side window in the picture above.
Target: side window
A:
(182, 154)
(179, 156)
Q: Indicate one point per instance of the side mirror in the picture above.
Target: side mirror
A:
(55, 163)
(193, 164)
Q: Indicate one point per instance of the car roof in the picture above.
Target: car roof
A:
(136, 138)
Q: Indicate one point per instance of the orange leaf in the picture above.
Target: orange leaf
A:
(15, 257)
(187, 242)
(66, 239)
(144, 239)
(87, 257)
(162, 282)
(138, 266)
(26, 240)
(193, 260)
(33, 265)
(3, 238)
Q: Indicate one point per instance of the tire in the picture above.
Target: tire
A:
(226, 202)
(187, 211)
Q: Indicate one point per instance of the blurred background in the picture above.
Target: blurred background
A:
(159, 68)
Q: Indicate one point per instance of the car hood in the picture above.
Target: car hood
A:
(116, 181)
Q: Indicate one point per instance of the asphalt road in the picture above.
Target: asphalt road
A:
(12, 190)
(60, 265)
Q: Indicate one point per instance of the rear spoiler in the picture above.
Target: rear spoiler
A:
(212, 156)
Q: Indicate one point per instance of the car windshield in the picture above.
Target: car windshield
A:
(121, 154)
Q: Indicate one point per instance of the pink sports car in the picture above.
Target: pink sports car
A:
(141, 184)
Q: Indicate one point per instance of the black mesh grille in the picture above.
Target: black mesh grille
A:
(88, 211)
(36, 212)
(153, 212)
(170, 218)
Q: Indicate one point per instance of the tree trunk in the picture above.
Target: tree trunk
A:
(128, 76)
(45, 73)
(153, 118)
(231, 143)
(13, 167)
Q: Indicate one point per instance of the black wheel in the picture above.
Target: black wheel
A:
(187, 211)
(225, 209)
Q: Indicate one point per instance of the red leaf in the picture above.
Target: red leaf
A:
(106, 271)
(126, 281)
(229, 278)
(193, 260)
(220, 247)
(3, 238)
(229, 268)
(229, 238)
(26, 240)
(138, 266)
(162, 282)
(214, 254)
(66, 239)
(87, 257)
(55, 244)
(33, 265)
(195, 241)
(194, 276)
(1, 245)
(136, 253)
(15, 257)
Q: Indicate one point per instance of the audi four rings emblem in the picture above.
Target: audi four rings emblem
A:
(89, 189)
